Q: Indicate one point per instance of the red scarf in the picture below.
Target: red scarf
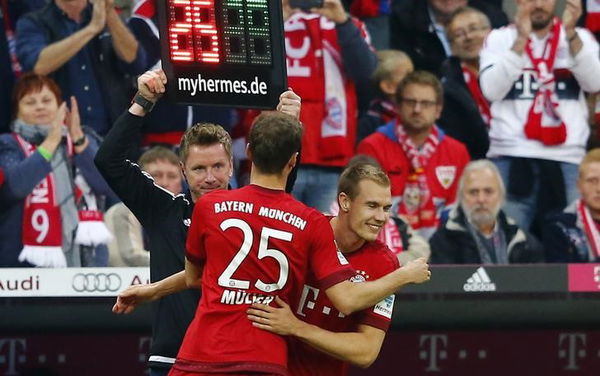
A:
(592, 20)
(42, 230)
(589, 226)
(544, 123)
(11, 39)
(42, 224)
(417, 205)
(384, 109)
(473, 85)
(316, 73)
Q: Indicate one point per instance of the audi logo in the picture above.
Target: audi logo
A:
(96, 282)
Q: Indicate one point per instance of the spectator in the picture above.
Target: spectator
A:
(537, 148)
(466, 113)
(10, 69)
(418, 28)
(392, 67)
(66, 39)
(167, 122)
(573, 235)
(423, 163)
(477, 230)
(40, 162)
(328, 58)
(127, 248)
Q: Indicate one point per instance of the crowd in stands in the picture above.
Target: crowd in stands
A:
(426, 89)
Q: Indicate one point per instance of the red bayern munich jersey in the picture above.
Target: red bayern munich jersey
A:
(372, 261)
(255, 243)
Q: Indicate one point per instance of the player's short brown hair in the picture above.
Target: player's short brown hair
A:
(421, 78)
(359, 168)
(204, 134)
(273, 139)
(592, 156)
(158, 153)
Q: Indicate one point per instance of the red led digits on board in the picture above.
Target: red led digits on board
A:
(193, 31)
(194, 37)
(181, 42)
(206, 39)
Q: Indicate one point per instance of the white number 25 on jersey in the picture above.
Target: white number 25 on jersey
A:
(225, 279)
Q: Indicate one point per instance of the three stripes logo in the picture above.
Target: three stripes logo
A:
(479, 281)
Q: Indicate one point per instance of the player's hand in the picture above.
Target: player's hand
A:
(571, 14)
(289, 103)
(151, 85)
(279, 320)
(333, 10)
(130, 298)
(418, 270)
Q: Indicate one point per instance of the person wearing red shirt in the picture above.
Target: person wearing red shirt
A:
(423, 163)
(255, 243)
(323, 341)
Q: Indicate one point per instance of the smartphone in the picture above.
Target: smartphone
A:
(306, 4)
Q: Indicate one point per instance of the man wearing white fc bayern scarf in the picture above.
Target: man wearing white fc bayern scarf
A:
(535, 72)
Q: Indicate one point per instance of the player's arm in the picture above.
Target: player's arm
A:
(360, 348)
(350, 297)
(130, 298)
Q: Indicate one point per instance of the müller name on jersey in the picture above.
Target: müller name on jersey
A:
(246, 207)
(242, 297)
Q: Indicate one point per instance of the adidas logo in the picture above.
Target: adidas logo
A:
(479, 281)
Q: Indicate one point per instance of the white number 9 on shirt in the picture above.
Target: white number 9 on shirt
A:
(40, 223)
(225, 279)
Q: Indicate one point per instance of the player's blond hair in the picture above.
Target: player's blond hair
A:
(360, 168)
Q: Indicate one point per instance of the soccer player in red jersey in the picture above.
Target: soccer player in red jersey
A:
(255, 243)
(323, 341)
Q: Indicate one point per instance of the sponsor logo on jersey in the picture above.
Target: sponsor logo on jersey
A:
(385, 307)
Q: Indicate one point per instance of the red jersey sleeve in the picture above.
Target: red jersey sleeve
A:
(380, 315)
(195, 251)
(328, 265)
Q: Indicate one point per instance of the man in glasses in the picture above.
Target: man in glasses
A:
(423, 163)
(466, 114)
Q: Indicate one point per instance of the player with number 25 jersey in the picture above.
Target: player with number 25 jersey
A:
(255, 243)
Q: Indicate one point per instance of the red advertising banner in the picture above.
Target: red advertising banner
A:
(584, 277)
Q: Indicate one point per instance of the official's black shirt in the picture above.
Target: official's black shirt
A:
(166, 219)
